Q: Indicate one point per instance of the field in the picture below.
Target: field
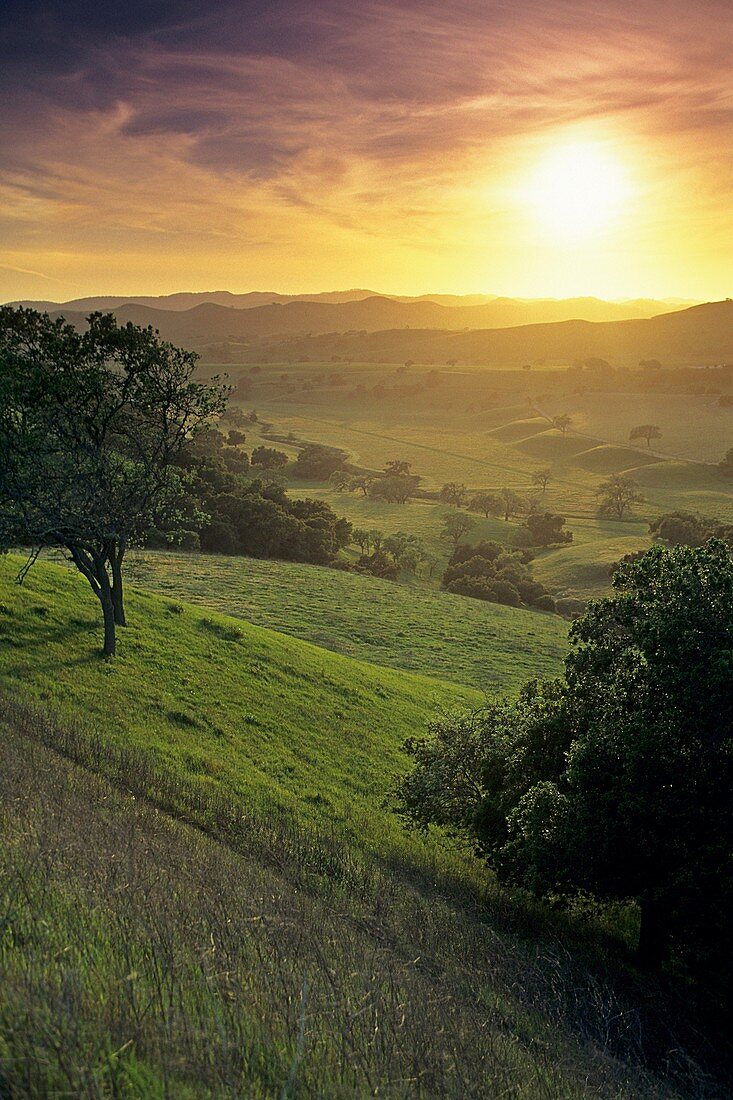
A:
(411, 627)
(490, 429)
(336, 954)
(220, 700)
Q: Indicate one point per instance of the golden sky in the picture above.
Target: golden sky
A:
(522, 148)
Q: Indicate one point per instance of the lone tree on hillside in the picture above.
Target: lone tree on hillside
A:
(614, 780)
(562, 422)
(645, 431)
(89, 424)
(456, 525)
(617, 497)
(542, 478)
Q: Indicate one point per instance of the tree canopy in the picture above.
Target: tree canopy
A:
(614, 780)
(89, 424)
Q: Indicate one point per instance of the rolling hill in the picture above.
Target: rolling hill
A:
(381, 330)
(203, 894)
(449, 311)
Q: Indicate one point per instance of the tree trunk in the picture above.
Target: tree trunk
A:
(108, 611)
(118, 602)
(93, 566)
(652, 949)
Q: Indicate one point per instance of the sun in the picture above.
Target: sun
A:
(578, 190)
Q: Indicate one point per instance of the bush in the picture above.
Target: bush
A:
(316, 462)
(487, 572)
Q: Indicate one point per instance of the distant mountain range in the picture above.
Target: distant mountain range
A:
(382, 330)
(270, 313)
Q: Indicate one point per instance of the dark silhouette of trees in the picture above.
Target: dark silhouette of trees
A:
(487, 571)
(541, 478)
(562, 422)
(488, 504)
(456, 525)
(645, 431)
(268, 458)
(543, 529)
(90, 423)
(511, 503)
(316, 462)
(397, 485)
(614, 780)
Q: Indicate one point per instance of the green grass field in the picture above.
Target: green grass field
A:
(410, 627)
(490, 429)
(233, 705)
(203, 894)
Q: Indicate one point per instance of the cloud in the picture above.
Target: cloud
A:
(248, 121)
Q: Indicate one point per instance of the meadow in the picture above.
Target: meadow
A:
(403, 626)
(337, 954)
(491, 429)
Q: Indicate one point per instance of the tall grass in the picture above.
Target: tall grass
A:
(159, 941)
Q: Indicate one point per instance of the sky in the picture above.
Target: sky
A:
(536, 149)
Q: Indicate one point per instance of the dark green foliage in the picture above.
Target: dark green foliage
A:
(268, 458)
(615, 780)
(689, 529)
(316, 462)
(394, 488)
(237, 515)
(378, 564)
(543, 529)
(90, 424)
(488, 572)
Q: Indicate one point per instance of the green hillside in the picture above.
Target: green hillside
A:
(413, 627)
(296, 942)
(232, 706)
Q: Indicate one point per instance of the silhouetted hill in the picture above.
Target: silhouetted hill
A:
(362, 331)
(363, 309)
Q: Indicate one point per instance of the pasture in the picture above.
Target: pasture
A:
(402, 626)
(491, 429)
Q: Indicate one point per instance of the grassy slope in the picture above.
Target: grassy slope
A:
(410, 627)
(141, 958)
(146, 961)
(231, 705)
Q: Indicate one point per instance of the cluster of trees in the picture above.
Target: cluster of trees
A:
(487, 571)
(225, 510)
(387, 556)
(689, 529)
(395, 485)
(316, 462)
(614, 780)
(541, 528)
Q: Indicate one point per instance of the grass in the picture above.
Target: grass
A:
(143, 958)
(490, 429)
(234, 705)
(415, 628)
(202, 894)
